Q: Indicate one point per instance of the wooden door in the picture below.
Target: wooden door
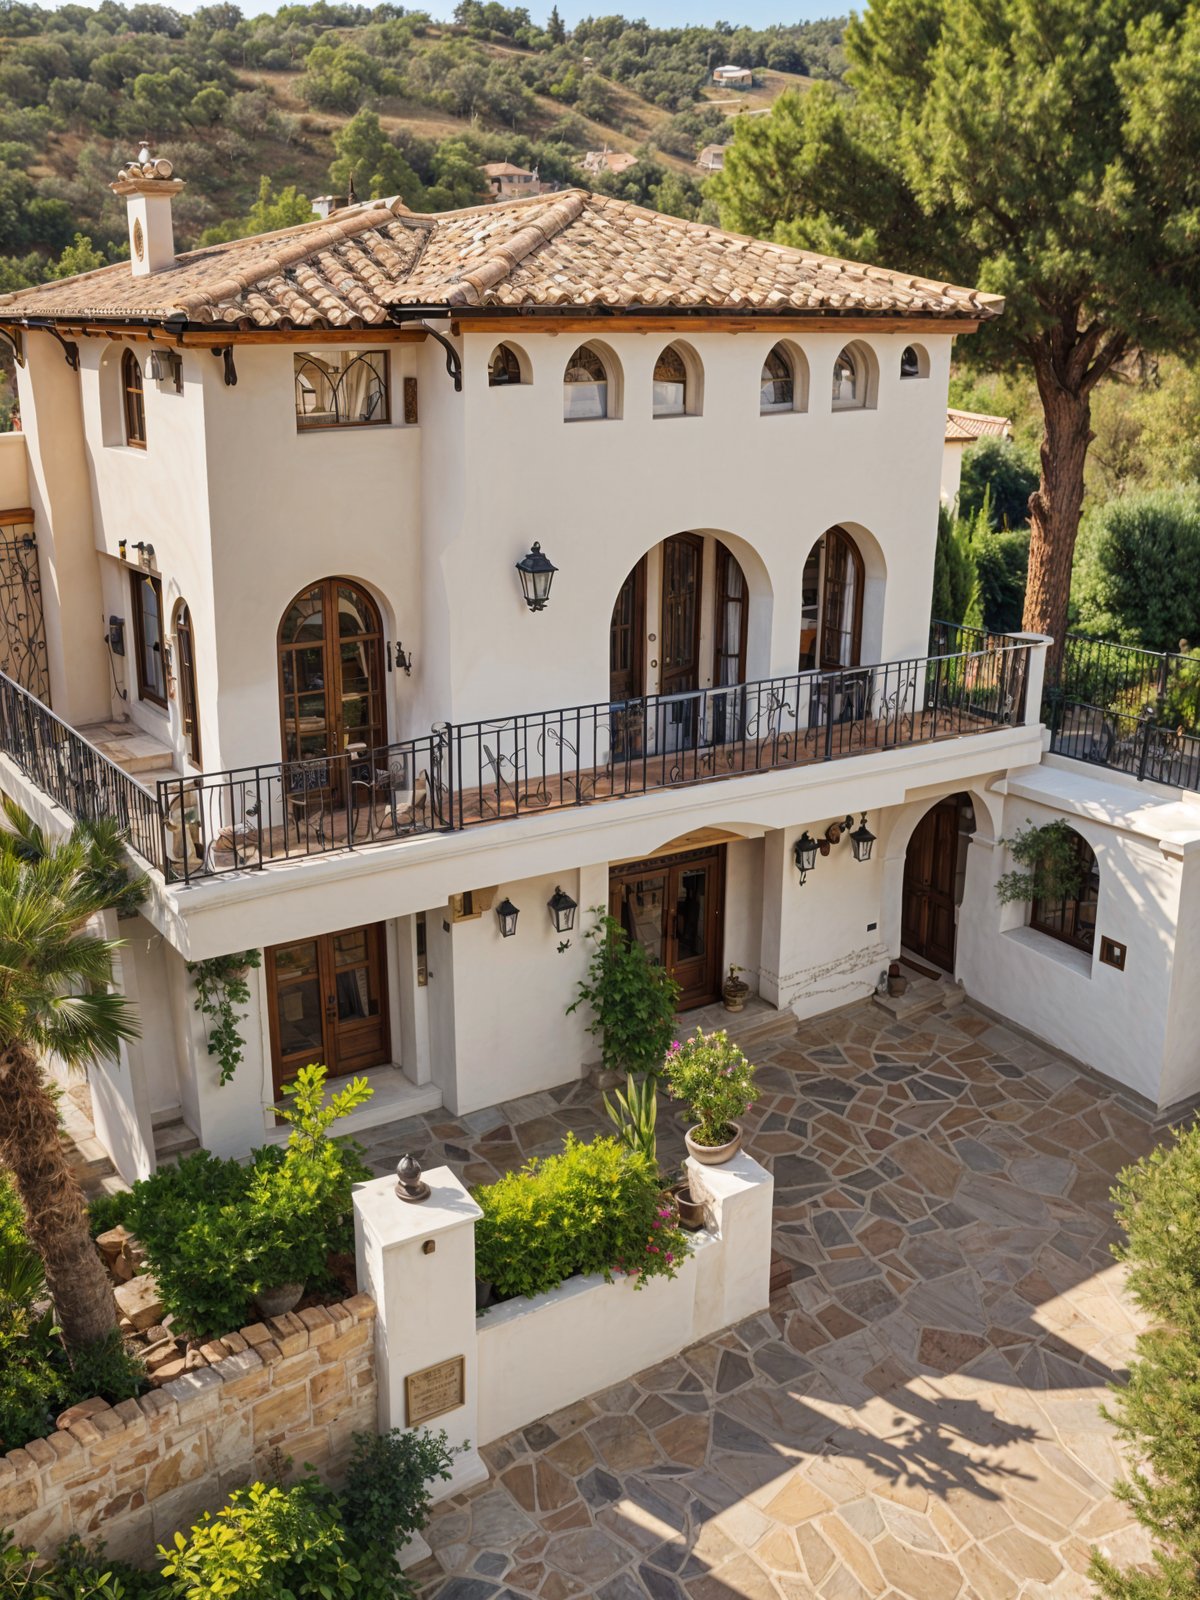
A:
(930, 869)
(841, 603)
(729, 646)
(626, 639)
(682, 558)
(327, 1000)
(330, 679)
(673, 906)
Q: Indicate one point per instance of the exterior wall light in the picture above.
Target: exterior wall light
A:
(562, 911)
(805, 851)
(861, 840)
(537, 574)
(506, 915)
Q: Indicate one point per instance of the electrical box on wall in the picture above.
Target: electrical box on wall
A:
(1112, 953)
(473, 903)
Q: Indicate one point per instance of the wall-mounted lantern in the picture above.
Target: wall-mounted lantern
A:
(506, 915)
(805, 850)
(861, 840)
(562, 911)
(537, 574)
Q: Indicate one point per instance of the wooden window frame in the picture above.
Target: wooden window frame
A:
(1073, 933)
(185, 675)
(137, 579)
(133, 398)
(509, 359)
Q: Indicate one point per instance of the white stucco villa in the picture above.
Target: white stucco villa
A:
(413, 584)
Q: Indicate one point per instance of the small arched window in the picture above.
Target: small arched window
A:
(778, 392)
(910, 362)
(135, 401)
(670, 384)
(1072, 918)
(185, 659)
(504, 367)
(849, 382)
(585, 386)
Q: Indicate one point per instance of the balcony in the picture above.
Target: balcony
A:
(465, 775)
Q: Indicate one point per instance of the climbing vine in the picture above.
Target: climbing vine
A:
(220, 988)
(1049, 856)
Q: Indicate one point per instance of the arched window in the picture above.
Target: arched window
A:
(778, 391)
(585, 386)
(504, 367)
(185, 662)
(910, 362)
(849, 382)
(340, 388)
(135, 401)
(1072, 918)
(831, 604)
(670, 384)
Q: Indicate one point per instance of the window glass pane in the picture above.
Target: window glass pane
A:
(295, 960)
(340, 388)
(778, 389)
(350, 947)
(642, 903)
(153, 674)
(504, 366)
(846, 381)
(583, 401)
(668, 399)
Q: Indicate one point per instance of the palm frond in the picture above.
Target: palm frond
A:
(83, 1028)
(20, 835)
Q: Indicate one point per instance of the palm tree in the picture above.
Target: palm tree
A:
(56, 997)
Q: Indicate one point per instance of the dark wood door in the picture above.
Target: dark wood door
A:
(673, 906)
(626, 638)
(841, 603)
(729, 648)
(330, 681)
(683, 557)
(328, 1003)
(930, 869)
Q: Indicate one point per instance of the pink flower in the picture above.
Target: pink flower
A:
(656, 1223)
(670, 1257)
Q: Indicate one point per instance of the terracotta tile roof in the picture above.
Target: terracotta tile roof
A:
(963, 426)
(561, 251)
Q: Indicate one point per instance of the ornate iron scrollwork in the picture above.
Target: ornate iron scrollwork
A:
(22, 628)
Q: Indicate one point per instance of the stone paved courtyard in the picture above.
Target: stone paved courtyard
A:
(917, 1414)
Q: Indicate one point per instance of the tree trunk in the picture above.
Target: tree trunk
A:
(1054, 509)
(55, 1213)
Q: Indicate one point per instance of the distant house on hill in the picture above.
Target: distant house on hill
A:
(711, 158)
(730, 77)
(504, 179)
(614, 161)
(962, 429)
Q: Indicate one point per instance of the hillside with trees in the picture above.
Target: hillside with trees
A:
(387, 98)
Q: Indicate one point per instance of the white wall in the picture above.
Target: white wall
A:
(14, 472)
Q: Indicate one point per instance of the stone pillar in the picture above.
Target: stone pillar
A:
(737, 1196)
(1036, 677)
(417, 1262)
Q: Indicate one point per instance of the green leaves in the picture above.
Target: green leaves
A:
(635, 1116)
(596, 1208)
(709, 1073)
(632, 1001)
(221, 987)
(1050, 858)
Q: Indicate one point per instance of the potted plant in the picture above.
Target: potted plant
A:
(734, 990)
(690, 1209)
(897, 983)
(716, 1082)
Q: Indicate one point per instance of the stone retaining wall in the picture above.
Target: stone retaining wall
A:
(133, 1473)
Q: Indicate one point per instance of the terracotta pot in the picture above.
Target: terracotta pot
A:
(714, 1155)
(733, 993)
(274, 1302)
(691, 1212)
(897, 985)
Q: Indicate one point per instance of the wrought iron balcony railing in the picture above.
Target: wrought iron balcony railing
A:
(461, 775)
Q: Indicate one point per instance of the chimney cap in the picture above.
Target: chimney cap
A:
(147, 174)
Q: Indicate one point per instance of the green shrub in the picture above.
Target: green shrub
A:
(1137, 569)
(1001, 473)
(80, 1572)
(955, 579)
(1002, 562)
(635, 1115)
(108, 1369)
(1157, 1412)
(596, 1208)
(1049, 857)
(107, 1211)
(386, 1497)
(217, 1232)
(632, 1001)
(714, 1080)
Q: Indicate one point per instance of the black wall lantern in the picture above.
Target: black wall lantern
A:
(537, 574)
(506, 915)
(562, 911)
(861, 840)
(805, 851)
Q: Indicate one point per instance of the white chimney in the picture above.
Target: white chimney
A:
(149, 188)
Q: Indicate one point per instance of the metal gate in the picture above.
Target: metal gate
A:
(22, 627)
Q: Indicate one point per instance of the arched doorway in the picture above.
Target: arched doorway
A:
(331, 675)
(934, 866)
(832, 586)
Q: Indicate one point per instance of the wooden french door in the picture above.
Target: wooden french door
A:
(930, 870)
(729, 646)
(626, 639)
(841, 603)
(328, 1003)
(683, 557)
(331, 676)
(673, 906)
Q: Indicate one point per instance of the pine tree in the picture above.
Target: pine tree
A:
(554, 27)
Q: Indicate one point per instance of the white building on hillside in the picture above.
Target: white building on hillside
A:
(730, 77)
(962, 429)
(415, 584)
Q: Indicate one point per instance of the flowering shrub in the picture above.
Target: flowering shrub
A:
(714, 1080)
(595, 1208)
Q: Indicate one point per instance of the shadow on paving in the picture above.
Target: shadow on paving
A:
(917, 1413)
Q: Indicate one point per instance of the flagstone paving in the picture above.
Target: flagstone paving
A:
(916, 1415)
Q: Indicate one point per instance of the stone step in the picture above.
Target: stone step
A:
(922, 995)
(172, 1140)
(131, 749)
